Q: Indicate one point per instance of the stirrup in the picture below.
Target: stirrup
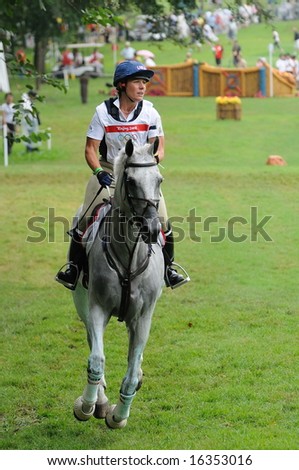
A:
(184, 281)
(68, 285)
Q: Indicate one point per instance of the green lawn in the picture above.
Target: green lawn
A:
(221, 364)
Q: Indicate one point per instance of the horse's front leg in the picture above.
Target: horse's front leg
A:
(138, 336)
(94, 400)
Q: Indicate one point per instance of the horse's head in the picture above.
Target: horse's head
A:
(137, 191)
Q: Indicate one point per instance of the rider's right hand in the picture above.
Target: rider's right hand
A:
(104, 178)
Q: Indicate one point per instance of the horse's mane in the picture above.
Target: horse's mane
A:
(140, 155)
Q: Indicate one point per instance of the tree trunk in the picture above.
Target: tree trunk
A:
(40, 59)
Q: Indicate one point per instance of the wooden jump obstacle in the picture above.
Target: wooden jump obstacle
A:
(205, 80)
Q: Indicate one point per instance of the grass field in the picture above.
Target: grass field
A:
(221, 364)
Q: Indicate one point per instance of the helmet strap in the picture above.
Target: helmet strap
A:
(123, 88)
(133, 101)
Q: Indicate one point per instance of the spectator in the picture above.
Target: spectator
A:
(96, 59)
(128, 51)
(236, 51)
(84, 87)
(67, 61)
(218, 53)
(21, 56)
(8, 112)
(189, 59)
(296, 39)
(290, 64)
(67, 58)
(107, 32)
(21, 59)
(296, 70)
(232, 29)
(281, 63)
(209, 34)
(78, 58)
(276, 39)
(241, 64)
(31, 120)
(261, 62)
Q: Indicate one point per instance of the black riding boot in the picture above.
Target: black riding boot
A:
(70, 276)
(172, 278)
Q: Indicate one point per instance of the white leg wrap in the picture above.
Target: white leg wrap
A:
(90, 394)
(122, 410)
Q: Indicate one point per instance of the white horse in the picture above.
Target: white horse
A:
(126, 276)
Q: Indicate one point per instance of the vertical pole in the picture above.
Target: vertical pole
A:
(5, 145)
(262, 81)
(49, 141)
(114, 51)
(271, 47)
(195, 80)
(66, 78)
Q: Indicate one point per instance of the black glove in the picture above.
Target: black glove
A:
(104, 178)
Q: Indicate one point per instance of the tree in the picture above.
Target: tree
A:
(41, 18)
(45, 19)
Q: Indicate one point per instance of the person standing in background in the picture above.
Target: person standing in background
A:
(296, 39)
(236, 50)
(31, 120)
(276, 39)
(218, 53)
(8, 112)
(128, 52)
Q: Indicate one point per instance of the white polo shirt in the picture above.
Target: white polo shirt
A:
(117, 132)
(8, 111)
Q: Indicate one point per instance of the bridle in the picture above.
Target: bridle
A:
(130, 198)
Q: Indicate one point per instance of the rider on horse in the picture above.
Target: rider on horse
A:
(116, 121)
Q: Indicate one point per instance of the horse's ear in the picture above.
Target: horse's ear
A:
(129, 148)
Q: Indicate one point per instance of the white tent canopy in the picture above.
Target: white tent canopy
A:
(4, 82)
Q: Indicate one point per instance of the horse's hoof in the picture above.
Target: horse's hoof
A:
(101, 410)
(110, 421)
(79, 413)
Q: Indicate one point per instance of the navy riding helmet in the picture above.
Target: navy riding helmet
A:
(131, 69)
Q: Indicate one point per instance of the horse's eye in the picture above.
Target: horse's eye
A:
(131, 182)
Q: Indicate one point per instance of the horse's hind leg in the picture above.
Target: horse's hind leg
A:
(94, 401)
(138, 335)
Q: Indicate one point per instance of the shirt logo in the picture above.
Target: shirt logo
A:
(127, 128)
